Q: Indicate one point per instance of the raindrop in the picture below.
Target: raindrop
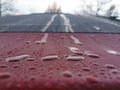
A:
(114, 71)
(1, 59)
(32, 78)
(102, 73)
(67, 74)
(73, 49)
(3, 47)
(86, 69)
(51, 67)
(17, 58)
(92, 36)
(91, 54)
(92, 79)
(30, 59)
(62, 37)
(19, 39)
(32, 68)
(9, 52)
(118, 77)
(37, 42)
(76, 41)
(95, 64)
(110, 66)
(15, 66)
(78, 53)
(5, 75)
(20, 86)
(49, 58)
(28, 42)
(3, 66)
(75, 58)
(113, 52)
(79, 74)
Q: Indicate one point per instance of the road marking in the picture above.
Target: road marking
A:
(43, 40)
(108, 22)
(97, 28)
(76, 41)
(49, 23)
(68, 27)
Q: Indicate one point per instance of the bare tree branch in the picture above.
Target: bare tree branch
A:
(6, 6)
(53, 9)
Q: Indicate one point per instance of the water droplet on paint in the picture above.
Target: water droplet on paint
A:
(79, 74)
(73, 49)
(17, 58)
(18, 39)
(67, 74)
(49, 58)
(75, 58)
(15, 66)
(3, 47)
(76, 41)
(3, 66)
(86, 69)
(33, 78)
(5, 75)
(114, 71)
(32, 68)
(37, 42)
(92, 36)
(113, 52)
(28, 42)
(92, 80)
(95, 64)
(1, 59)
(110, 66)
(91, 54)
(30, 59)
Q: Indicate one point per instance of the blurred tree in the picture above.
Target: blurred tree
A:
(110, 10)
(100, 4)
(88, 5)
(53, 8)
(6, 6)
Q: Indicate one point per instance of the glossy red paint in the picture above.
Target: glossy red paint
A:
(28, 70)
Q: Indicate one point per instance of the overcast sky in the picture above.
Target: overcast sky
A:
(36, 6)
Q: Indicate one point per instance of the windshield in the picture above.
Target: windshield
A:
(96, 16)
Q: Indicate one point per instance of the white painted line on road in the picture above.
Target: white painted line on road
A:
(43, 40)
(76, 41)
(97, 28)
(49, 23)
(68, 27)
(109, 22)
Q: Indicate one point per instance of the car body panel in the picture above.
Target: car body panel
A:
(98, 70)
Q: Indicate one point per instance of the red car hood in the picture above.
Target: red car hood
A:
(57, 61)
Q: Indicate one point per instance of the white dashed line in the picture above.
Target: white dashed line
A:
(49, 23)
(97, 28)
(68, 27)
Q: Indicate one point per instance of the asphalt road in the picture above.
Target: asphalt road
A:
(58, 23)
